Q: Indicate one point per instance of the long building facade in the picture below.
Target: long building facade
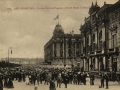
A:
(97, 47)
(63, 48)
(100, 38)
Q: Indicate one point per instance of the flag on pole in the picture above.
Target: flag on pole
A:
(57, 17)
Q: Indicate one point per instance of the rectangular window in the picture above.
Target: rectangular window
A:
(114, 41)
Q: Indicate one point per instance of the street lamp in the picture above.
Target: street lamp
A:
(9, 49)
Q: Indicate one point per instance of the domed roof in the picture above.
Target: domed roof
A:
(58, 30)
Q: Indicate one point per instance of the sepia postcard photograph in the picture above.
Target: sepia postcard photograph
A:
(59, 44)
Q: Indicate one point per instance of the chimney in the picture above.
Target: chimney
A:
(96, 3)
(92, 4)
(104, 3)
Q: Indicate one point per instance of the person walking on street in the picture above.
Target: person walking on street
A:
(41, 77)
(66, 80)
(75, 79)
(84, 78)
(1, 87)
(102, 77)
(10, 83)
(92, 78)
(59, 80)
(1, 80)
(52, 85)
(79, 78)
(38, 78)
(107, 80)
(88, 80)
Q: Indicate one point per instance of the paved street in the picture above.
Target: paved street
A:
(23, 86)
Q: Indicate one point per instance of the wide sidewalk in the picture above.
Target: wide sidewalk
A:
(23, 86)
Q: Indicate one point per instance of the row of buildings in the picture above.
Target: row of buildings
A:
(97, 45)
(23, 61)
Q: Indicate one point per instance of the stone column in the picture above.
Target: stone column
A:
(84, 64)
(99, 65)
(104, 62)
(89, 63)
(96, 63)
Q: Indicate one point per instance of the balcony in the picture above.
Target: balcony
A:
(93, 53)
(99, 52)
(113, 50)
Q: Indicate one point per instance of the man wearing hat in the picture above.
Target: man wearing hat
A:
(107, 80)
(1, 78)
(66, 80)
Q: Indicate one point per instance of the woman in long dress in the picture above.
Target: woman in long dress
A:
(27, 80)
(52, 85)
(10, 83)
(88, 80)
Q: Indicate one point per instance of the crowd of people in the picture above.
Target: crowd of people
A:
(32, 76)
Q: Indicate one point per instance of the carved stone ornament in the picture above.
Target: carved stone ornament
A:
(113, 27)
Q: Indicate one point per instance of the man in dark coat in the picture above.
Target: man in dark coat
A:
(84, 78)
(1, 79)
(66, 80)
(10, 83)
(59, 80)
(41, 77)
(70, 77)
(102, 80)
(79, 78)
(1, 87)
(34, 78)
(52, 85)
(107, 80)
(75, 78)
(92, 78)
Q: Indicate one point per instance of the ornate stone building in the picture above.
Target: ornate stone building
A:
(100, 38)
(62, 49)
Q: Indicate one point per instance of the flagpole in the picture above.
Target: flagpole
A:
(57, 17)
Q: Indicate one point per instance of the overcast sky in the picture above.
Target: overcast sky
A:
(27, 30)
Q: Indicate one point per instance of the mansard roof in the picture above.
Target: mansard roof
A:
(104, 7)
(114, 7)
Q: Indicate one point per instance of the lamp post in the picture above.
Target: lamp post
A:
(9, 49)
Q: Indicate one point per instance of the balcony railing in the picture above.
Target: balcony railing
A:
(115, 49)
(93, 52)
(99, 51)
(111, 50)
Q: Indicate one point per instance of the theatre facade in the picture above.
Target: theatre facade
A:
(62, 49)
